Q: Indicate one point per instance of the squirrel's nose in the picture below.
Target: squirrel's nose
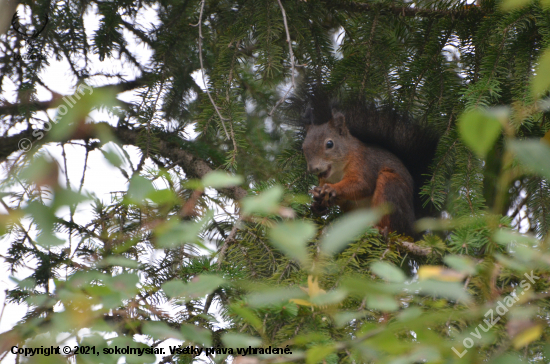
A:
(313, 170)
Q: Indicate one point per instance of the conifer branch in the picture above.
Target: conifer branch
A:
(466, 11)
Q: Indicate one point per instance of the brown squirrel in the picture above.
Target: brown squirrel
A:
(378, 158)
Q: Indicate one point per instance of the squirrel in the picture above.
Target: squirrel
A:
(368, 156)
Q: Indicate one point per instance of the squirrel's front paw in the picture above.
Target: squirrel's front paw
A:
(318, 195)
(328, 193)
(319, 206)
(323, 197)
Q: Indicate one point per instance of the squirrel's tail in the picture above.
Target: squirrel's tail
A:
(412, 142)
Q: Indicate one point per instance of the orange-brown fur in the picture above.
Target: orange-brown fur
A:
(353, 174)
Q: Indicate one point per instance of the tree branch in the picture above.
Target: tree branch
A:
(415, 249)
(464, 12)
(15, 109)
(193, 166)
(10, 144)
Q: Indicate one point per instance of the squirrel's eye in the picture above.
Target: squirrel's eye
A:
(330, 144)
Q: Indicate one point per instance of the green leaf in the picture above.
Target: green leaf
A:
(506, 236)
(507, 359)
(196, 335)
(219, 179)
(461, 264)
(124, 284)
(384, 303)
(330, 298)
(139, 188)
(317, 353)
(534, 154)
(112, 155)
(272, 296)
(69, 117)
(175, 233)
(451, 290)
(248, 315)
(388, 272)
(43, 215)
(118, 261)
(164, 196)
(234, 340)
(265, 203)
(48, 239)
(67, 197)
(292, 237)
(173, 288)
(347, 229)
(511, 263)
(409, 314)
(200, 286)
(479, 129)
(38, 300)
(362, 287)
(160, 331)
(40, 169)
(127, 341)
(509, 5)
(541, 81)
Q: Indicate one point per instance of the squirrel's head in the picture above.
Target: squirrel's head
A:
(326, 146)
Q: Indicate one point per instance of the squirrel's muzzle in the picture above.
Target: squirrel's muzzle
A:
(320, 171)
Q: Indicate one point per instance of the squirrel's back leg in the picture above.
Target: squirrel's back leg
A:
(392, 188)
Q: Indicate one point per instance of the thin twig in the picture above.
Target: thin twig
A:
(208, 303)
(65, 166)
(199, 24)
(291, 56)
(85, 166)
(4, 304)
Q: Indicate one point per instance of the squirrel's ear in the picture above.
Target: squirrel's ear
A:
(338, 122)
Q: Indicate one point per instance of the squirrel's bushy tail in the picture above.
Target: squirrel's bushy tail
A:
(412, 142)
